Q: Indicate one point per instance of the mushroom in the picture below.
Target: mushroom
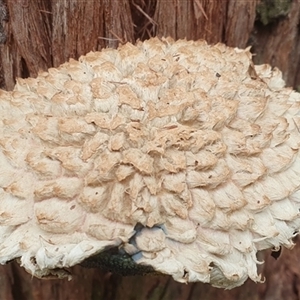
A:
(181, 156)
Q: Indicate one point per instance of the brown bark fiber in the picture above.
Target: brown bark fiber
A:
(42, 34)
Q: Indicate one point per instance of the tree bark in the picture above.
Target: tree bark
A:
(42, 34)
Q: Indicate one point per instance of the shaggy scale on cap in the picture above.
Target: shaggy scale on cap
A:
(183, 156)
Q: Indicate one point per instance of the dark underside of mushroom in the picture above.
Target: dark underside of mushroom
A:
(114, 261)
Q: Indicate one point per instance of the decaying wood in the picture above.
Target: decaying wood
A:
(41, 34)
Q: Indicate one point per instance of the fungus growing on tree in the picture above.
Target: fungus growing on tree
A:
(176, 157)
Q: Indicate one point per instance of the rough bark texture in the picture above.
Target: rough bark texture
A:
(41, 34)
(277, 43)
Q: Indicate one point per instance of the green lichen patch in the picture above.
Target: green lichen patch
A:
(269, 11)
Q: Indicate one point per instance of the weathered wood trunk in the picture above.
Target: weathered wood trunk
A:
(39, 34)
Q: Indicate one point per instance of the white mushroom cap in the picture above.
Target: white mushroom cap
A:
(190, 142)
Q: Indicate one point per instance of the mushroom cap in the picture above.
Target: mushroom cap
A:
(183, 155)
